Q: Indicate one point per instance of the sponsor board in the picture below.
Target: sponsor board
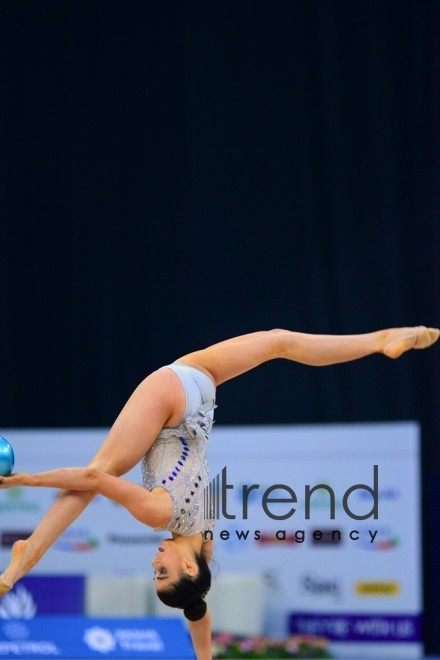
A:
(42, 595)
(337, 457)
(79, 637)
(381, 549)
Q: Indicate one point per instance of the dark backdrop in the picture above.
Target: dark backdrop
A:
(176, 173)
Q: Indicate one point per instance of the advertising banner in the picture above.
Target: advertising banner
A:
(42, 595)
(328, 516)
(78, 637)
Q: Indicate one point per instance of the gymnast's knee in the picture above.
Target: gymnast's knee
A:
(107, 466)
(281, 341)
(278, 331)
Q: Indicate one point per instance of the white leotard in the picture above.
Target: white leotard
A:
(177, 459)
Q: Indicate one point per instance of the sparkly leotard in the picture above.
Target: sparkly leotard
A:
(177, 459)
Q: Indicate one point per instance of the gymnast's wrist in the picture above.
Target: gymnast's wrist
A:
(24, 479)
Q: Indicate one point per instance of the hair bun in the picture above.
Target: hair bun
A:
(195, 610)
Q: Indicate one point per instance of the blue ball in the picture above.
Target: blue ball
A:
(6, 457)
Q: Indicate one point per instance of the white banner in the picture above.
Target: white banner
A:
(357, 581)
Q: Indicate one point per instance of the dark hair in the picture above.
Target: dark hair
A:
(188, 592)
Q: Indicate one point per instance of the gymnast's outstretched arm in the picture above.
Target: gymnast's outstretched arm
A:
(149, 508)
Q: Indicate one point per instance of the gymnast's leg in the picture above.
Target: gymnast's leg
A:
(158, 401)
(235, 356)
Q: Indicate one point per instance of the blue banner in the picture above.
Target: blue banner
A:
(42, 595)
(80, 637)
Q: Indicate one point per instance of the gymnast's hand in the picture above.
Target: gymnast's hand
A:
(18, 479)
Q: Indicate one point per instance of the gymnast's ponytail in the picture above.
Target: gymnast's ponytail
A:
(188, 592)
(195, 610)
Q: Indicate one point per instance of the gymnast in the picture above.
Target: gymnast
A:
(164, 425)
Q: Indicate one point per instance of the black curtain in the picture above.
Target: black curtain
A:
(176, 173)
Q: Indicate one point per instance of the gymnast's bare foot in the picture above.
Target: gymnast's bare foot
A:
(17, 566)
(399, 340)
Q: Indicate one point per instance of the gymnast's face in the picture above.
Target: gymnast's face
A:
(170, 562)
